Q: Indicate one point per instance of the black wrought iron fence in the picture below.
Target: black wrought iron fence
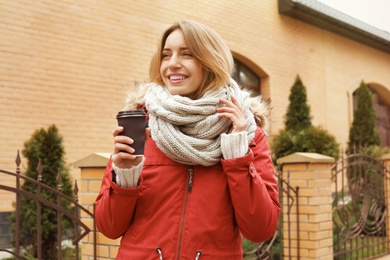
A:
(279, 246)
(359, 206)
(80, 229)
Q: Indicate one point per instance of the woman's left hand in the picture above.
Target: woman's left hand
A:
(234, 112)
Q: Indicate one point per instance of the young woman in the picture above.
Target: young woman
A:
(206, 178)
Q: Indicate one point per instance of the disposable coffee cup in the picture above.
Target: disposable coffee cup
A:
(133, 122)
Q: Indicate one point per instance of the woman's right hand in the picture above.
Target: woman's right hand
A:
(123, 156)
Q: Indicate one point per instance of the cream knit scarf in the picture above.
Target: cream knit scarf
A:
(188, 131)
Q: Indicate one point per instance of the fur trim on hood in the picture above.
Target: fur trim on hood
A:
(259, 107)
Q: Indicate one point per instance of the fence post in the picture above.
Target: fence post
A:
(91, 174)
(311, 173)
(386, 177)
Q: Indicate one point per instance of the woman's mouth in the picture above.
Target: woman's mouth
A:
(176, 78)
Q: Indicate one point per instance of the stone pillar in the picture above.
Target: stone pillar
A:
(91, 175)
(311, 173)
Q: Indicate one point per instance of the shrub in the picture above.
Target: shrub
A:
(313, 139)
(298, 112)
(363, 132)
(299, 135)
(47, 146)
(282, 144)
(316, 139)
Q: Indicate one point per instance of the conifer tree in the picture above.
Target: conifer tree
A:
(364, 139)
(363, 132)
(298, 111)
(47, 146)
(299, 135)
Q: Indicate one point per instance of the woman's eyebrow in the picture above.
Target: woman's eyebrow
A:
(181, 49)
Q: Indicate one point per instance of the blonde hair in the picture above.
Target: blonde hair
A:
(207, 47)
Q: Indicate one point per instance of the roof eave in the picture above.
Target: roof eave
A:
(304, 12)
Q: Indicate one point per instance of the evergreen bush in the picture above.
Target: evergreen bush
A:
(363, 132)
(298, 112)
(299, 135)
(282, 144)
(364, 139)
(314, 139)
(47, 146)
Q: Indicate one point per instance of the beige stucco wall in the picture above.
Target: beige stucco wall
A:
(69, 63)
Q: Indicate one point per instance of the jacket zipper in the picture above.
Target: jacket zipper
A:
(189, 189)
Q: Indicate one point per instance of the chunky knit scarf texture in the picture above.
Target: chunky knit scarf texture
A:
(188, 131)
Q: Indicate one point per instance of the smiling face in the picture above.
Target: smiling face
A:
(181, 73)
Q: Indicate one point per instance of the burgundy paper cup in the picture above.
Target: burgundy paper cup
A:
(133, 122)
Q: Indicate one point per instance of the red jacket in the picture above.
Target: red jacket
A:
(183, 210)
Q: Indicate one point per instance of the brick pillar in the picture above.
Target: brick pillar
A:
(386, 163)
(92, 171)
(311, 172)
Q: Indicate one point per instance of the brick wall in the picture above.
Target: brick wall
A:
(70, 63)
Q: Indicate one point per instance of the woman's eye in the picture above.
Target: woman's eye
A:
(187, 54)
(164, 55)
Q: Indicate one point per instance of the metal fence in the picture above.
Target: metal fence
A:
(80, 229)
(359, 206)
(279, 246)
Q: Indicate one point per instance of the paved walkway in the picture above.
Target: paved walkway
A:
(387, 257)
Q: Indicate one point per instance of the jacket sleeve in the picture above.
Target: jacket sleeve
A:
(114, 206)
(254, 190)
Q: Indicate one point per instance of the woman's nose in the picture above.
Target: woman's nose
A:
(174, 62)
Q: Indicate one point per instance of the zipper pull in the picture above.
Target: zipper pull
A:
(190, 177)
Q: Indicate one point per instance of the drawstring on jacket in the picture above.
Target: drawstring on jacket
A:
(159, 251)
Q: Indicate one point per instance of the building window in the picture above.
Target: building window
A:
(382, 112)
(246, 78)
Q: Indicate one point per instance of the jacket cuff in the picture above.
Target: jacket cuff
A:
(128, 177)
(234, 145)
